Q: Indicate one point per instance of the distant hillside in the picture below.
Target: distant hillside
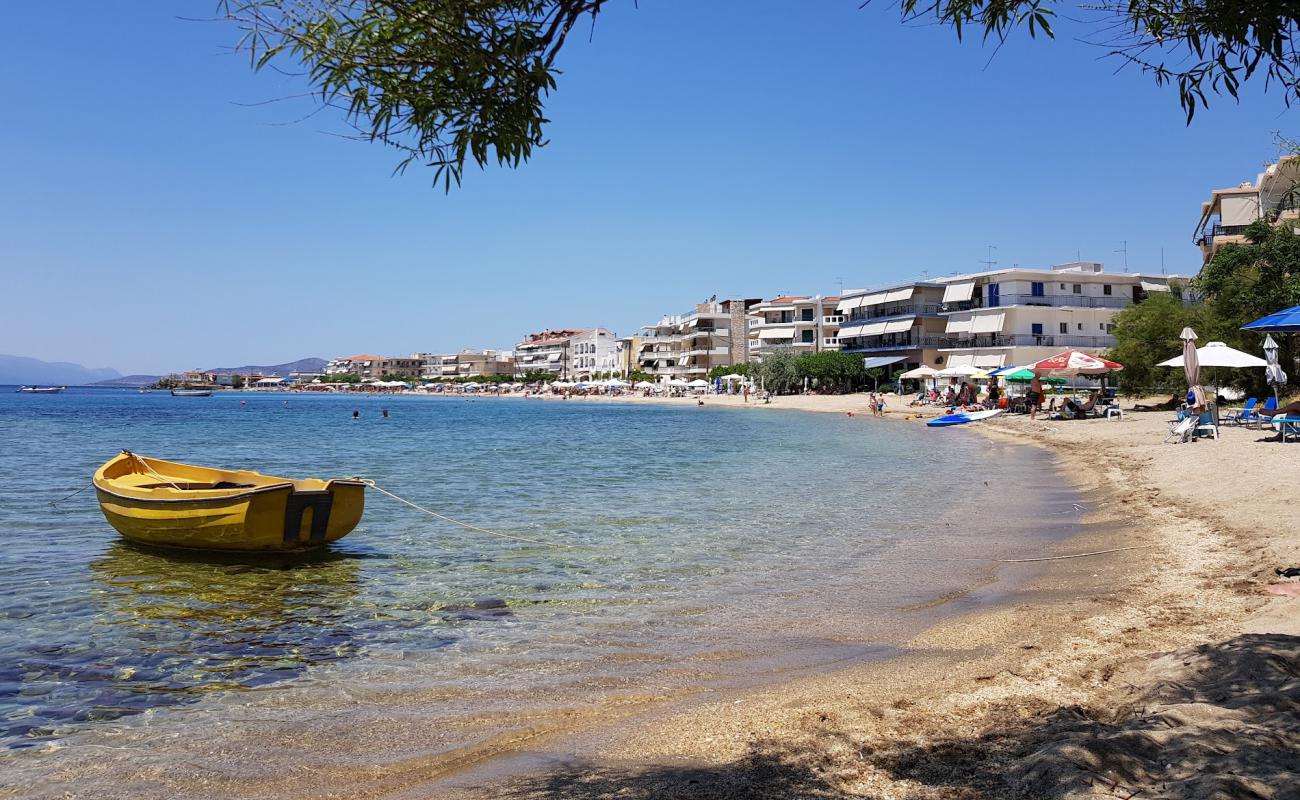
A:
(129, 380)
(23, 370)
(301, 365)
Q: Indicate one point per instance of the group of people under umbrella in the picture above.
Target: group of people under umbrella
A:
(1057, 369)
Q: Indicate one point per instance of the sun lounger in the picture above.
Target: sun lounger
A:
(1254, 419)
(1181, 431)
(1239, 415)
(1286, 427)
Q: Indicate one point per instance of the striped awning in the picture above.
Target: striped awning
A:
(987, 323)
(899, 325)
(881, 361)
(897, 295)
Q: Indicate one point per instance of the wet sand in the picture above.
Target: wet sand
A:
(1171, 670)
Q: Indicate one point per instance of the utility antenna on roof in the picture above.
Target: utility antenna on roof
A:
(840, 281)
(991, 262)
(1162, 261)
(1123, 248)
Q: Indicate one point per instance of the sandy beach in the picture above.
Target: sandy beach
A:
(1168, 669)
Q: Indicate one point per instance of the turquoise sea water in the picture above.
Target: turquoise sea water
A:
(775, 538)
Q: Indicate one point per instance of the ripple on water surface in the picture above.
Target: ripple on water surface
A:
(691, 533)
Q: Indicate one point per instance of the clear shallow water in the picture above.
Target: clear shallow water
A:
(703, 545)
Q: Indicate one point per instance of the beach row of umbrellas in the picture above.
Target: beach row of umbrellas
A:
(1069, 364)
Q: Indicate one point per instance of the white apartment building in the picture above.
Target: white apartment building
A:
(593, 351)
(687, 346)
(1272, 197)
(805, 324)
(993, 319)
(437, 367)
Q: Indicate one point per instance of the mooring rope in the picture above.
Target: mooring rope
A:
(466, 525)
(142, 462)
(55, 503)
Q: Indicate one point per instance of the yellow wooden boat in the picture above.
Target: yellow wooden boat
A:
(166, 504)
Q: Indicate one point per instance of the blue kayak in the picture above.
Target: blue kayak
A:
(961, 418)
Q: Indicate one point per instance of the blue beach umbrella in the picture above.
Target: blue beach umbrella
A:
(1285, 321)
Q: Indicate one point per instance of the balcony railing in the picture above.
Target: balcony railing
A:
(1032, 340)
(1210, 234)
(907, 341)
(880, 312)
(1046, 300)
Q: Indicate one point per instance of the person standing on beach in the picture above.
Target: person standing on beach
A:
(1035, 396)
(994, 393)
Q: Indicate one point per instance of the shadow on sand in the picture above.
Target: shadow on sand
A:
(1216, 721)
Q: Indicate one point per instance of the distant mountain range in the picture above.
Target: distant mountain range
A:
(23, 370)
(129, 380)
(283, 370)
(33, 371)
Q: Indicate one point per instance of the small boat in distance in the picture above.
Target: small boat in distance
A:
(168, 504)
(41, 389)
(191, 392)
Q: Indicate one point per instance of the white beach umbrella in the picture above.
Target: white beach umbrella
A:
(1214, 354)
(961, 371)
(677, 382)
(731, 376)
(644, 385)
(1218, 354)
(698, 384)
(923, 371)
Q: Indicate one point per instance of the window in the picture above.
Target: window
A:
(1063, 287)
(1101, 326)
(807, 337)
(1105, 289)
(1036, 329)
(1036, 289)
(1078, 288)
(1065, 327)
(1079, 326)
(807, 315)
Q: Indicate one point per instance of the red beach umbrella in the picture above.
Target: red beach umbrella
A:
(1072, 363)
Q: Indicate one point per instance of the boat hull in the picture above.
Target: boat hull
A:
(191, 392)
(259, 513)
(961, 418)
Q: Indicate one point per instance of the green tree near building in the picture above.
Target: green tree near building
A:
(1241, 283)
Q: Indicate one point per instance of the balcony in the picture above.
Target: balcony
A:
(1048, 300)
(1062, 340)
(835, 320)
(1216, 231)
(903, 310)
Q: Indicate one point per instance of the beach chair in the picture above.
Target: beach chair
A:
(1181, 431)
(1205, 422)
(1113, 411)
(1237, 415)
(1286, 427)
(1254, 419)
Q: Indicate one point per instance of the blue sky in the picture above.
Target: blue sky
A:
(149, 222)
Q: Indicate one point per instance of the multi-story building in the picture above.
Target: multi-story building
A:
(626, 349)
(371, 367)
(593, 352)
(900, 324)
(1274, 196)
(993, 319)
(547, 351)
(364, 366)
(805, 324)
(484, 363)
(688, 345)
(437, 367)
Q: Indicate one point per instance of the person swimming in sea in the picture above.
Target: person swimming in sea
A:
(385, 413)
(356, 414)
